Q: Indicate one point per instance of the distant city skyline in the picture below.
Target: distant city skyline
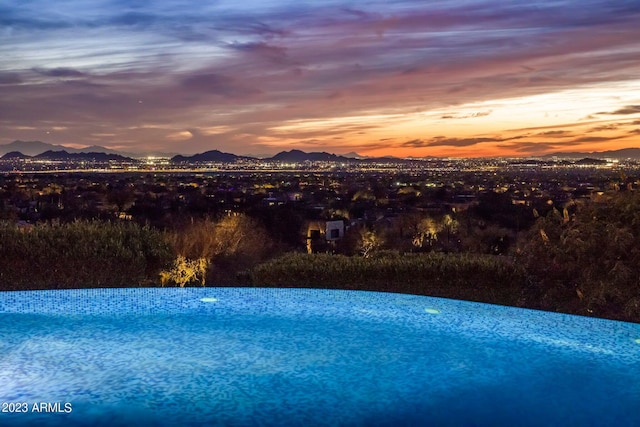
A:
(463, 78)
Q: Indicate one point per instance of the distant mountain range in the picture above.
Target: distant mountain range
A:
(293, 156)
(354, 155)
(63, 155)
(96, 157)
(213, 156)
(14, 155)
(39, 149)
(625, 153)
(33, 148)
(297, 156)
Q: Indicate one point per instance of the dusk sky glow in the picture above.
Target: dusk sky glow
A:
(463, 78)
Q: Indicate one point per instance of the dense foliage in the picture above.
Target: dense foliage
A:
(222, 247)
(584, 258)
(81, 254)
(581, 257)
(463, 276)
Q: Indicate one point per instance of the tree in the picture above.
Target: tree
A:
(185, 272)
(586, 262)
(426, 233)
(369, 242)
(231, 243)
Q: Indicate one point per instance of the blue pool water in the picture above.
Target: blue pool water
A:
(234, 356)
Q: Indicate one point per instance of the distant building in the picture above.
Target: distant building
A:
(323, 234)
(334, 230)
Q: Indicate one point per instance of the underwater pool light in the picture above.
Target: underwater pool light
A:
(209, 299)
(432, 311)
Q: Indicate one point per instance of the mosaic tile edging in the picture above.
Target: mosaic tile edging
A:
(474, 319)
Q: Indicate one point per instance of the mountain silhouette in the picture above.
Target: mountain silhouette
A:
(33, 148)
(96, 157)
(213, 156)
(14, 155)
(297, 156)
(624, 153)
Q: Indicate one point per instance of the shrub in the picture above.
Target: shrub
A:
(473, 277)
(228, 246)
(81, 254)
(185, 272)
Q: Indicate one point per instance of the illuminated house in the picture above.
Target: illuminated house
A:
(322, 234)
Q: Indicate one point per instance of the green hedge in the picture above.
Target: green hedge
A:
(483, 278)
(81, 254)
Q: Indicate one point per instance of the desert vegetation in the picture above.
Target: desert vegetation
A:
(576, 254)
(81, 254)
(583, 257)
(215, 251)
(483, 278)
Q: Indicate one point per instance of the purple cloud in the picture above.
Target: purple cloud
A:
(555, 134)
(603, 128)
(254, 66)
(593, 139)
(629, 109)
(59, 72)
(415, 143)
(10, 79)
(217, 84)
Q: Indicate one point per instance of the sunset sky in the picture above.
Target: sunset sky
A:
(380, 77)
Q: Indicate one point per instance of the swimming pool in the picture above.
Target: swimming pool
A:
(247, 356)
